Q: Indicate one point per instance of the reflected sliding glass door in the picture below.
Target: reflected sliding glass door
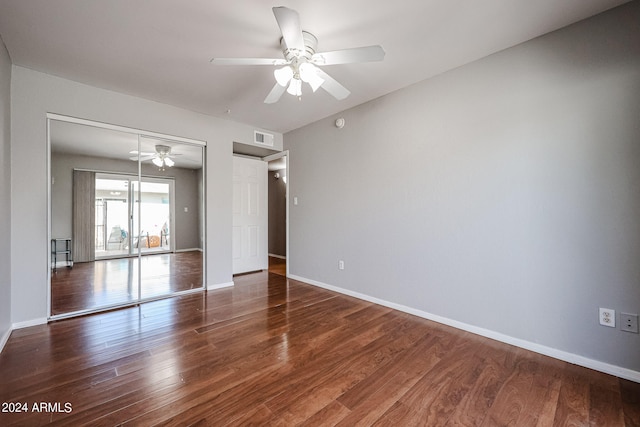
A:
(132, 217)
(154, 200)
(113, 212)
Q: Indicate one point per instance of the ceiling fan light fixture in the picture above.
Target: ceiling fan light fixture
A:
(283, 75)
(169, 162)
(306, 71)
(157, 161)
(315, 83)
(295, 87)
(308, 74)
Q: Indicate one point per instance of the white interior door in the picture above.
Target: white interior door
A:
(250, 220)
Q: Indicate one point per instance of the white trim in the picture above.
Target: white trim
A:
(188, 250)
(5, 338)
(29, 323)
(220, 286)
(278, 256)
(49, 215)
(576, 359)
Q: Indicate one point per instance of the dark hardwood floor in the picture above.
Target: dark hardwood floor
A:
(272, 351)
(278, 266)
(90, 285)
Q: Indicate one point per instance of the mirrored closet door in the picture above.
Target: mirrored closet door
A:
(126, 216)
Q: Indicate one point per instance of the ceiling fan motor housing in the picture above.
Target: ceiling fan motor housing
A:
(310, 46)
(163, 150)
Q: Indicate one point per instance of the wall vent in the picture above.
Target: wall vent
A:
(263, 138)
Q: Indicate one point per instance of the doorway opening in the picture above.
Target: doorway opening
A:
(278, 192)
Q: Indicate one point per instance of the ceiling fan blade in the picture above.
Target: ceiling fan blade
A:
(332, 86)
(289, 23)
(346, 56)
(275, 94)
(143, 158)
(248, 61)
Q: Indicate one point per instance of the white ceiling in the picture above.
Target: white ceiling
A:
(160, 49)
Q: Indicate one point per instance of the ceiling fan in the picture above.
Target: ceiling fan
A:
(161, 158)
(301, 60)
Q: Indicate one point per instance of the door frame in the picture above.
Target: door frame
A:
(268, 159)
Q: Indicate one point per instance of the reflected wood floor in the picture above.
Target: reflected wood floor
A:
(272, 351)
(278, 266)
(90, 285)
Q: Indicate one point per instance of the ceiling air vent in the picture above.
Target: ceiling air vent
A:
(263, 138)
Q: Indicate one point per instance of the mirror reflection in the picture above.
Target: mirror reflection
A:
(126, 217)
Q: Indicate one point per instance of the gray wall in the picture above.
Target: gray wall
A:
(187, 235)
(504, 194)
(35, 94)
(187, 224)
(277, 213)
(5, 193)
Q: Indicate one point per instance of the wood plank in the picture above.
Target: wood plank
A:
(475, 405)
(330, 415)
(435, 396)
(511, 401)
(630, 394)
(371, 398)
(574, 398)
(605, 405)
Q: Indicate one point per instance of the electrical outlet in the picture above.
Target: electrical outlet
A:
(629, 322)
(341, 265)
(608, 317)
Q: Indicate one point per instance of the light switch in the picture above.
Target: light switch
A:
(295, 201)
(186, 209)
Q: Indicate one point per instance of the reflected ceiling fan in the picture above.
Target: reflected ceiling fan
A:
(301, 60)
(161, 158)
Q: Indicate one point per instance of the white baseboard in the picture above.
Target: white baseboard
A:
(188, 250)
(219, 286)
(28, 323)
(5, 338)
(576, 359)
(277, 256)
